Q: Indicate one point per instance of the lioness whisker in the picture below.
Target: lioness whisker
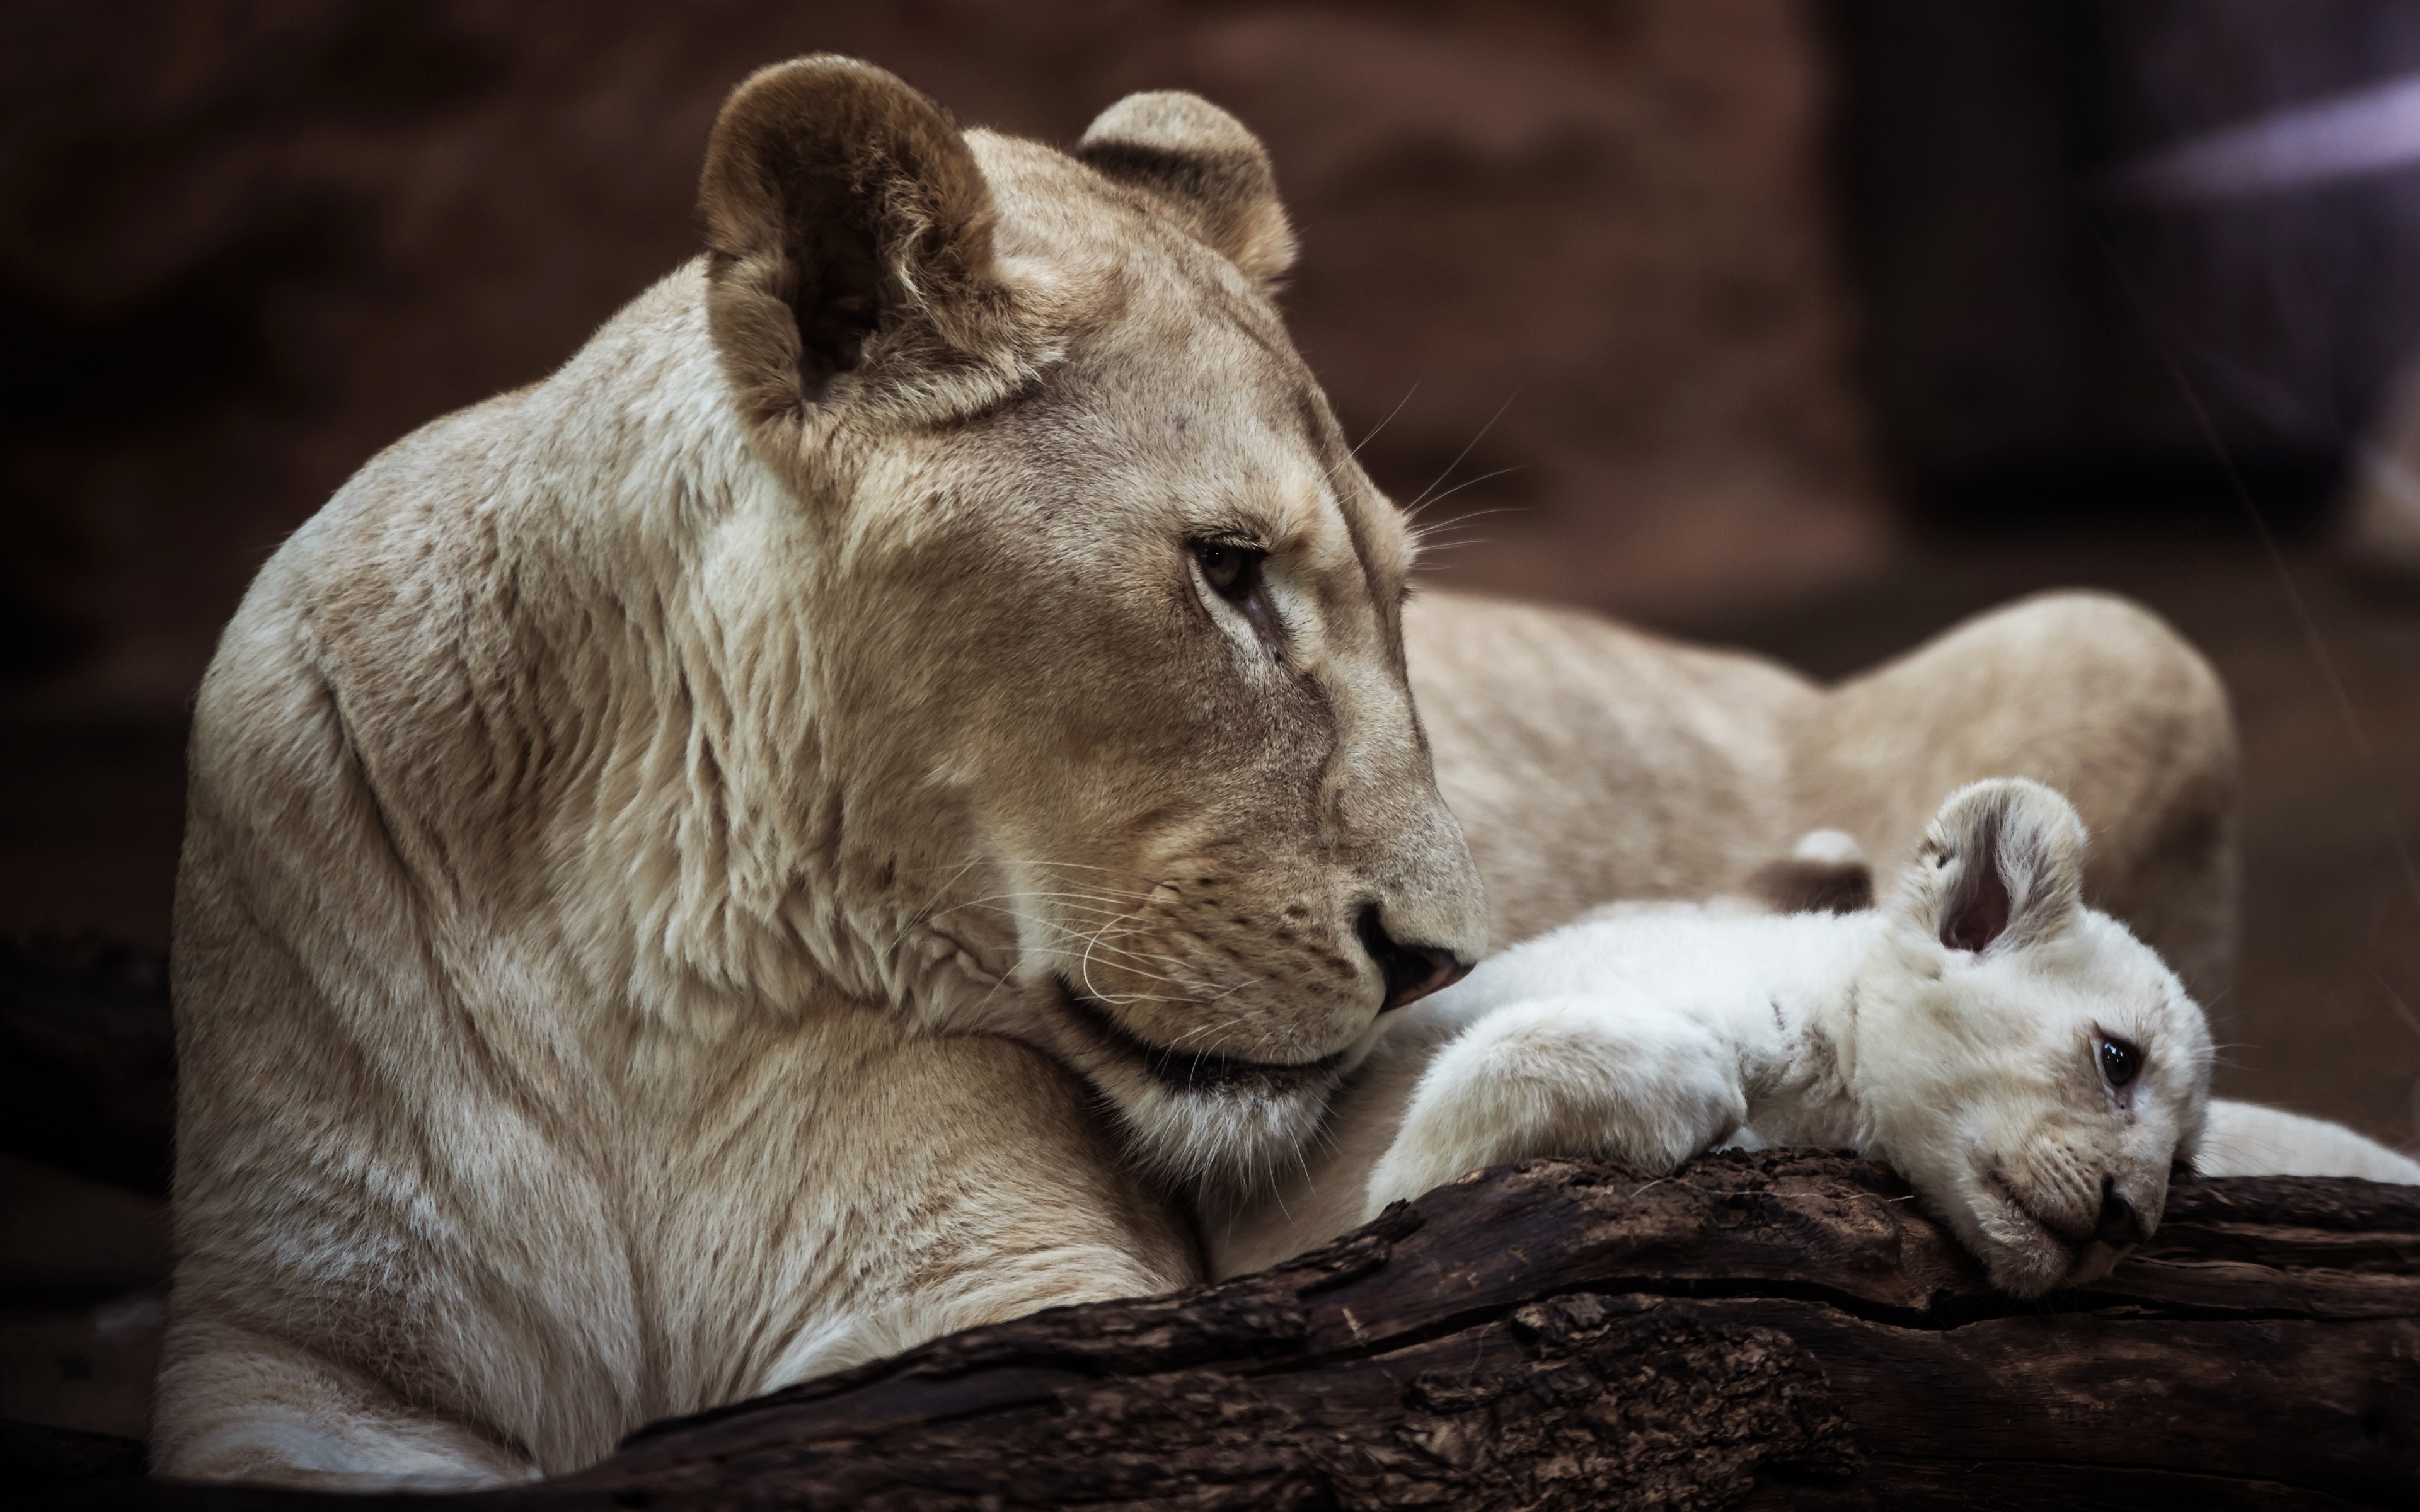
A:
(1412, 510)
(1424, 534)
(925, 915)
(1096, 938)
(1095, 941)
(1080, 897)
(1356, 449)
(1085, 964)
(1200, 1030)
(1468, 482)
(1089, 866)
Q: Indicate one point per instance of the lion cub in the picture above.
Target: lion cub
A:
(2028, 1065)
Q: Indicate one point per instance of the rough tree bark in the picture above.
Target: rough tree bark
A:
(1771, 1329)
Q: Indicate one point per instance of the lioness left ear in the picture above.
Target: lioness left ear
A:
(2002, 864)
(1201, 169)
(852, 234)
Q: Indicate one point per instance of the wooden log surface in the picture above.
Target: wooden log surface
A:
(1783, 1329)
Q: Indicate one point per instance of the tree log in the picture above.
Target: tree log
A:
(1769, 1330)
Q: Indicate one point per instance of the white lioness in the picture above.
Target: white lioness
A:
(2029, 1066)
(670, 847)
(831, 818)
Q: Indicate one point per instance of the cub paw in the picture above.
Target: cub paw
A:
(1563, 1077)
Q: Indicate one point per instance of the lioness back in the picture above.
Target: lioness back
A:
(1590, 761)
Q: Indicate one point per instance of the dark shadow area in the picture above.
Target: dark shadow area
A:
(2030, 329)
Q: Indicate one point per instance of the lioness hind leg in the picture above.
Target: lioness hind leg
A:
(234, 1405)
(2088, 693)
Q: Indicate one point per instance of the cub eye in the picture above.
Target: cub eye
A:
(2120, 1062)
(1232, 571)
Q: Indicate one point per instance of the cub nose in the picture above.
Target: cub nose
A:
(1411, 971)
(2119, 1224)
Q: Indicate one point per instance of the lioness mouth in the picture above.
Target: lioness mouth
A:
(1195, 1071)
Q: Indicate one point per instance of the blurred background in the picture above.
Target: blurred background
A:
(1806, 325)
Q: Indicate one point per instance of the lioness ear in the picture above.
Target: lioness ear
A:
(2002, 864)
(851, 233)
(1201, 169)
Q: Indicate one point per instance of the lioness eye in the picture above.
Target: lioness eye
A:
(2120, 1061)
(1232, 571)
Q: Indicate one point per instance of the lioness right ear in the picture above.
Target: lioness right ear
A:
(2001, 863)
(1201, 169)
(851, 235)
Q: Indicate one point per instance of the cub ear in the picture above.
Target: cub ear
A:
(1201, 169)
(851, 235)
(2002, 865)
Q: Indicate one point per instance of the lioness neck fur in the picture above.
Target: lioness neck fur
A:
(670, 847)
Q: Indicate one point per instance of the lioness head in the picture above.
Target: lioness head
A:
(1105, 630)
(2034, 1069)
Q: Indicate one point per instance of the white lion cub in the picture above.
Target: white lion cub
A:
(2026, 1063)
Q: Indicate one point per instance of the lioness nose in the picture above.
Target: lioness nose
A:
(1411, 971)
(2120, 1224)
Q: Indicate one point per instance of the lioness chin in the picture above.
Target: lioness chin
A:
(810, 828)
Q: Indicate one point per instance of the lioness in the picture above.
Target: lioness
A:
(846, 810)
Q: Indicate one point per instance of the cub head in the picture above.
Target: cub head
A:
(2028, 1064)
(1102, 626)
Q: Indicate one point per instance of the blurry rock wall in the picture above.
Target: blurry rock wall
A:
(2030, 323)
(1578, 252)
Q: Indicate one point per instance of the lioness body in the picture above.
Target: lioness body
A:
(554, 1200)
(828, 819)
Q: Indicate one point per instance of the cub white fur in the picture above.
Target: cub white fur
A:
(2023, 1060)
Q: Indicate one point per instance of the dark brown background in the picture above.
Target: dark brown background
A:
(1800, 325)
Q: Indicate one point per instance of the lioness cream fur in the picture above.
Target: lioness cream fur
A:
(670, 847)
(836, 815)
(2029, 1066)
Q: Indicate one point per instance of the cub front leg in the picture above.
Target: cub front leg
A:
(1567, 1075)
